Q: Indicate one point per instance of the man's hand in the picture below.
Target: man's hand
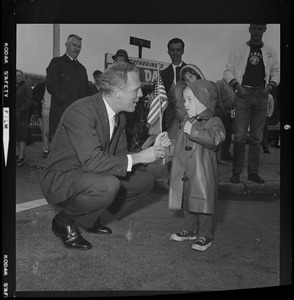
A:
(157, 151)
(148, 155)
(240, 90)
(267, 89)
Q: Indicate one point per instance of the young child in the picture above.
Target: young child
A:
(193, 179)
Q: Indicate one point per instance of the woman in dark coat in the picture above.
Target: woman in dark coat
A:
(193, 179)
(24, 100)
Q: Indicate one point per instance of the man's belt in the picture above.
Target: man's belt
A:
(260, 87)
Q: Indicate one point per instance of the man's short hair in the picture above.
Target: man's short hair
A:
(74, 36)
(116, 76)
(175, 41)
(97, 73)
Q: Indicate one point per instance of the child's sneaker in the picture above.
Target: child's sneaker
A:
(202, 243)
(184, 235)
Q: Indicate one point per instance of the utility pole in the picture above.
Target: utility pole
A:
(56, 40)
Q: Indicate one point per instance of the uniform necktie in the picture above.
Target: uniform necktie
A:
(178, 69)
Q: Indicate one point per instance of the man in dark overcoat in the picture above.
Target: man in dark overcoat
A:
(67, 81)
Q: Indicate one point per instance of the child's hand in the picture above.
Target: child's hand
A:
(187, 128)
(165, 141)
(162, 140)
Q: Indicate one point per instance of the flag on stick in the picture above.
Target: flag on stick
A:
(158, 105)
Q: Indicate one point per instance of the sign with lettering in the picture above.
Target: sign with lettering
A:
(140, 42)
(147, 68)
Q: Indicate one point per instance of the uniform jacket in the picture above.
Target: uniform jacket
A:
(81, 144)
(24, 100)
(66, 82)
(237, 62)
(193, 179)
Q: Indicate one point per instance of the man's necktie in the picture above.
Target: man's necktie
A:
(178, 69)
(115, 124)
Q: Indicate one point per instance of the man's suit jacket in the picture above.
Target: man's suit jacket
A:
(67, 82)
(93, 90)
(167, 76)
(82, 144)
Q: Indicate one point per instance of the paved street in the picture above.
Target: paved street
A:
(139, 255)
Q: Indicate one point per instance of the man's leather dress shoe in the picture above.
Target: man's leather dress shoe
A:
(70, 236)
(255, 177)
(98, 228)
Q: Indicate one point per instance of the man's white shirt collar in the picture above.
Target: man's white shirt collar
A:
(174, 66)
(111, 114)
(110, 111)
(71, 57)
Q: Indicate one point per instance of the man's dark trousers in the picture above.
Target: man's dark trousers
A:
(97, 192)
(249, 110)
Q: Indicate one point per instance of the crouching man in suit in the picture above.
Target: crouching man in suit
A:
(89, 169)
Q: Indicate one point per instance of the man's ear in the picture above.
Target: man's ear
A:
(116, 92)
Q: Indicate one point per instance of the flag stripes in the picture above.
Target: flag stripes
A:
(159, 102)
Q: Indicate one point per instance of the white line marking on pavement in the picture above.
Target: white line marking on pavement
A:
(31, 204)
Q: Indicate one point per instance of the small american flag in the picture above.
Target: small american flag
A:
(158, 104)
